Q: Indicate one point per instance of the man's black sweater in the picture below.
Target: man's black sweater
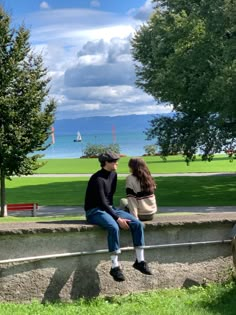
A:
(100, 190)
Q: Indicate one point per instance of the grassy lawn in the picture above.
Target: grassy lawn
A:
(172, 191)
(175, 164)
(10, 219)
(212, 300)
(41, 219)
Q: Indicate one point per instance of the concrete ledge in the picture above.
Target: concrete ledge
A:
(82, 225)
(200, 255)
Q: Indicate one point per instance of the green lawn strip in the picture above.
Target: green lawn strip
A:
(69, 217)
(174, 164)
(213, 299)
(41, 218)
(196, 191)
(171, 191)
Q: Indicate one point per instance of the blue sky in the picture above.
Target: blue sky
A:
(86, 48)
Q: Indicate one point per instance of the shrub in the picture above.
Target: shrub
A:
(150, 149)
(93, 150)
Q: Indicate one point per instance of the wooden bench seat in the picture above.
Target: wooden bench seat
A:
(33, 207)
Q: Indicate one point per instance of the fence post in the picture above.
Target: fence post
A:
(34, 210)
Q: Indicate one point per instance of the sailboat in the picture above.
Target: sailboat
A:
(78, 137)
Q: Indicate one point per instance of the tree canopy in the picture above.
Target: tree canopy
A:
(185, 55)
(26, 111)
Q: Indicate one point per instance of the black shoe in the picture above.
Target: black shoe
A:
(117, 274)
(142, 266)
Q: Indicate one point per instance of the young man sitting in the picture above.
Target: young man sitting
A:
(101, 211)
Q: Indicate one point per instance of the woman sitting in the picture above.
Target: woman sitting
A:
(140, 187)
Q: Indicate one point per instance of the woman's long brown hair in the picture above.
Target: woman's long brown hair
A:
(140, 170)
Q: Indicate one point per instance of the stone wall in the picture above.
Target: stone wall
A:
(173, 252)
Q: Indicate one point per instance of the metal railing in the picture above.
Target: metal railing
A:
(102, 251)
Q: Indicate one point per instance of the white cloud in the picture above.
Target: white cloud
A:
(107, 100)
(87, 53)
(144, 12)
(44, 5)
(102, 64)
(95, 3)
(85, 106)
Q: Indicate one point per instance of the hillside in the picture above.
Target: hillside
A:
(101, 124)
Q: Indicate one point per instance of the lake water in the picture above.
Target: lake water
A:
(131, 144)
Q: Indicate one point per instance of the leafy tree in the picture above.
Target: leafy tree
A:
(26, 112)
(150, 149)
(185, 55)
(187, 133)
(92, 150)
(114, 147)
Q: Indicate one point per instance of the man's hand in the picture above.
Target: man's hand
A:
(123, 223)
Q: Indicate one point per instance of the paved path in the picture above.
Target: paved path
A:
(77, 210)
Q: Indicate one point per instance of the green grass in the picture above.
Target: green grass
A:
(175, 164)
(171, 191)
(67, 218)
(215, 299)
(41, 219)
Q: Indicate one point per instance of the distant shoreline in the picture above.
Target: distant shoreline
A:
(131, 144)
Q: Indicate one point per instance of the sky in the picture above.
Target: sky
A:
(86, 48)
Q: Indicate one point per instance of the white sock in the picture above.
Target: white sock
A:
(139, 254)
(114, 261)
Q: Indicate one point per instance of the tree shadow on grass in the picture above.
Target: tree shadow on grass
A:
(196, 191)
(170, 159)
(49, 191)
(222, 302)
(171, 191)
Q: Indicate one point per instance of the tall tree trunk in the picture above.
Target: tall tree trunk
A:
(3, 194)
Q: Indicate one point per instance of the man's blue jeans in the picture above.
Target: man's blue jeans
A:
(105, 220)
